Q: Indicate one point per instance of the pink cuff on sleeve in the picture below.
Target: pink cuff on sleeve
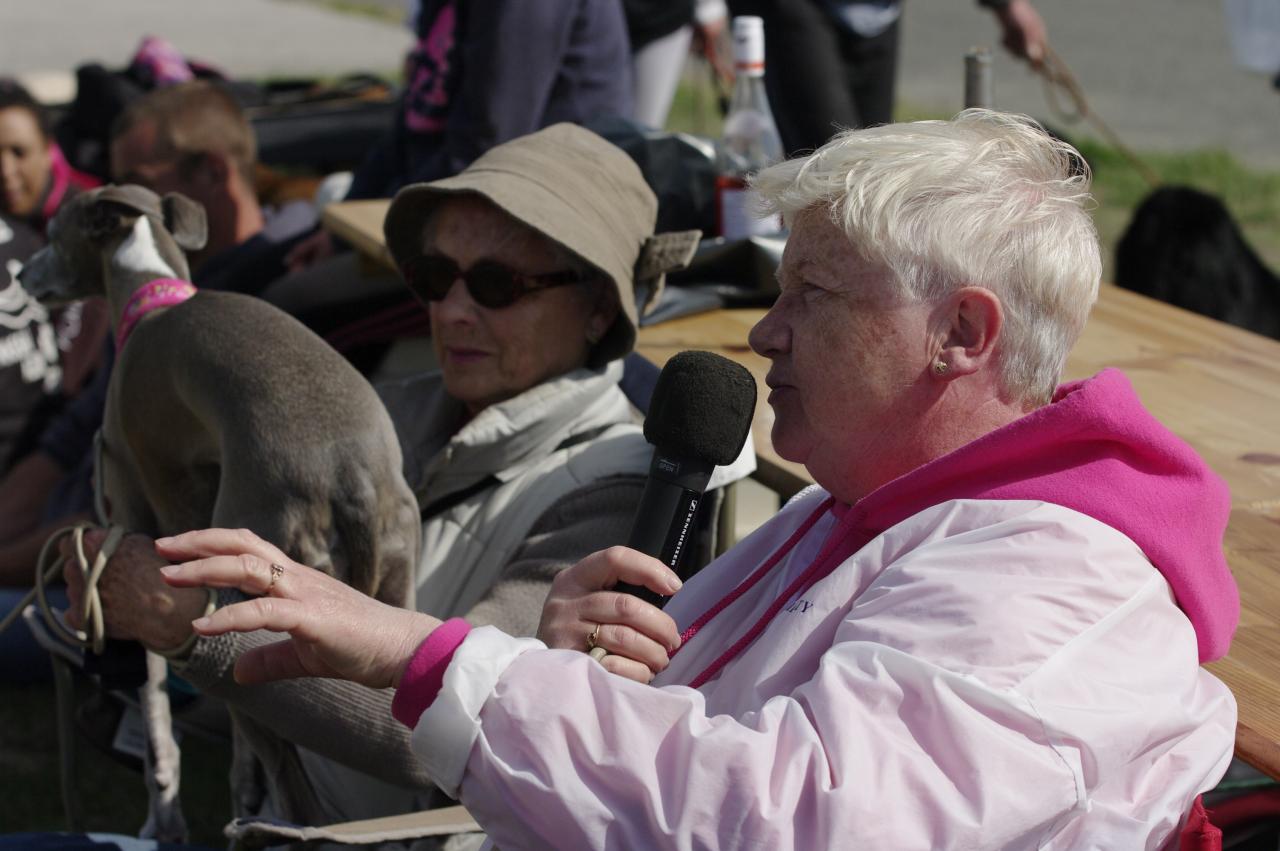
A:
(425, 674)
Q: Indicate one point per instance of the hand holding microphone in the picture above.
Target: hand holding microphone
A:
(699, 416)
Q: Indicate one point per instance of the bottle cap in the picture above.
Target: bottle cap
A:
(748, 45)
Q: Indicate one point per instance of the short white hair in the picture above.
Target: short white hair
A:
(987, 199)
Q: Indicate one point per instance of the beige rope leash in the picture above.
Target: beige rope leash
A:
(1059, 79)
(48, 565)
(93, 637)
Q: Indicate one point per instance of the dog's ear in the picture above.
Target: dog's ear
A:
(185, 220)
(137, 199)
(113, 207)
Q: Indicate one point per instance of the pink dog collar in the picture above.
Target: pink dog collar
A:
(162, 292)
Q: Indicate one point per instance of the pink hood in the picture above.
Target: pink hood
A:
(1096, 450)
(63, 178)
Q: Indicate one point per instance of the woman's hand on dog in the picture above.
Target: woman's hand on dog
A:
(335, 631)
(137, 604)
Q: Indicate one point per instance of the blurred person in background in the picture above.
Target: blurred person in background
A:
(31, 393)
(46, 357)
(832, 64)
(481, 73)
(193, 138)
(661, 33)
(35, 178)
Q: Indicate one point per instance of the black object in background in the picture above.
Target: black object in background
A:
(122, 665)
(1184, 248)
(305, 125)
(699, 417)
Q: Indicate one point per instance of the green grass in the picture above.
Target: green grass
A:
(376, 11)
(695, 108)
(1252, 196)
(111, 793)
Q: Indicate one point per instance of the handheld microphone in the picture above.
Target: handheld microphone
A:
(699, 417)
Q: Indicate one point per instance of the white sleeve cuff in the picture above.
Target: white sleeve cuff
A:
(447, 730)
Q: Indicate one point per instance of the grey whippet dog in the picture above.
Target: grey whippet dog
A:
(224, 411)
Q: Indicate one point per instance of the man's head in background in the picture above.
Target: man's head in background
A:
(193, 138)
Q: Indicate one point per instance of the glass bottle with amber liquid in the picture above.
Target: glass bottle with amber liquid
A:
(750, 140)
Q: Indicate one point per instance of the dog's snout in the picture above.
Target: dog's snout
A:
(28, 273)
(34, 276)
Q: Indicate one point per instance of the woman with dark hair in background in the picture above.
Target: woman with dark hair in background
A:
(45, 358)
(34, 175)
(59, 351)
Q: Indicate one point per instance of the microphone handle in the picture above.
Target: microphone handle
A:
(664, 521)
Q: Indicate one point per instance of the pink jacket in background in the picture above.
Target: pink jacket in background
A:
(980, 654)
(64, 180)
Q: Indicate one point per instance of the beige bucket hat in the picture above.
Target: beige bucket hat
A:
(576, 189)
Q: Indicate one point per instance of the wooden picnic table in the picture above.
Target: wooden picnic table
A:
(1212, 384)
(360, 223)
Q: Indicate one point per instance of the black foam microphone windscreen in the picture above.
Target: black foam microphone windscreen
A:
(702, 407)
(699, 417)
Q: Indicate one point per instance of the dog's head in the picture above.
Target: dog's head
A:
(128, 228)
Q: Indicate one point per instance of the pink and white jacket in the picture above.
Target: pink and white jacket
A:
(999, 649)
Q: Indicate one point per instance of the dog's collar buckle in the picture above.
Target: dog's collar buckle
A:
(162, 292)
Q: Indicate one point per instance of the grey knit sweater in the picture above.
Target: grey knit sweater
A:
(353, 724)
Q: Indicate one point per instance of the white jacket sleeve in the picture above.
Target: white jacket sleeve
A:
(929, 718)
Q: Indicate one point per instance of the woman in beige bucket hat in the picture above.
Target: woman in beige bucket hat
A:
(575, 193)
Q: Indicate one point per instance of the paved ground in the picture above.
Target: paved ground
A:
(246, 38)
(1160, 71)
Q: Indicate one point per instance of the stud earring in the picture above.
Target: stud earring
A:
(940, 368)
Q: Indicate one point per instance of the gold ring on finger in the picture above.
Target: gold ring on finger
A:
(277, 571)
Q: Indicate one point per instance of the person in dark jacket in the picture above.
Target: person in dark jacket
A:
(832, 64)
(483, 72)
(46, 356)
(661, 32)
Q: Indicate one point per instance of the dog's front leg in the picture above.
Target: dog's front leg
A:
(163, 766)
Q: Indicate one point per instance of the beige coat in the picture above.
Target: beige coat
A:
(507, 467)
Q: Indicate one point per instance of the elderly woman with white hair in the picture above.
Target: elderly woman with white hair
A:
(981, 629)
